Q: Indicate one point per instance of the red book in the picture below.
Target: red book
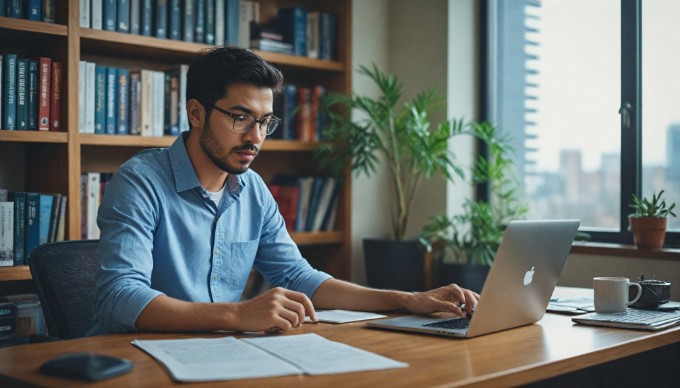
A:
(287, 199)
(44, 84)
(55, 101)
(304, 128)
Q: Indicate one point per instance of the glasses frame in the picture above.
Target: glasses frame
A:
(273, 121)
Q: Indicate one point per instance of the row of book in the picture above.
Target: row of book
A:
(311, 34)
(30, 93)
(92, 187)
(38, 10)
(28, 220)
(301, 116)
(21, 315)
(120, 101)
(307, 204)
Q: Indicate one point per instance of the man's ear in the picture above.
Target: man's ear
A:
(196, 113)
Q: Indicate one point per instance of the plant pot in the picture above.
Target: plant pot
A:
(470, 276)
(395, 265)
(648, 232)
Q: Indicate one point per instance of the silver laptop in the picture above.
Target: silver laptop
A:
(518, 288)
(632, 319)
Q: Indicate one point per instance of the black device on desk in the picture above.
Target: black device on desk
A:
(86, 366)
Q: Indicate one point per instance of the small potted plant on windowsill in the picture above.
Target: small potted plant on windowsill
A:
(649, 220)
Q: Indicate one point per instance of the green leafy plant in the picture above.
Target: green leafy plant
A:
(656, 208)
(401, 135)
(474, 235)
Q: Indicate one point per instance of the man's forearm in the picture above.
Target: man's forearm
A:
(338, 294)
(167, 314)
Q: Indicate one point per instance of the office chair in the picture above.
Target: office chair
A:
(64, 276)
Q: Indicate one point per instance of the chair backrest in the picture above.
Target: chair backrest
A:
(64, 276)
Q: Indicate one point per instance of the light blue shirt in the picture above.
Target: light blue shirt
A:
(161, 234)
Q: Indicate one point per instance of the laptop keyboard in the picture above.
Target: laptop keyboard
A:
(455, 323)
(636, 316)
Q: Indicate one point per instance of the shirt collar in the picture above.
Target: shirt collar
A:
(184, 173)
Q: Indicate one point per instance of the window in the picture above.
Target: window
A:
(578, 84)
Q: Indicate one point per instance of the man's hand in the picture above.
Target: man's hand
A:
(451, 298)
(278, 309)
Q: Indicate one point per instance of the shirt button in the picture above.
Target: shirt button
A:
(215, 277)
(217, 253)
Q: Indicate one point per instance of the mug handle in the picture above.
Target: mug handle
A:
(639, 292)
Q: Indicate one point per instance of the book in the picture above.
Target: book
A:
(32, 103)
(34, 8)
(219, 22)
(329, 219)
(48, 11)
(210, 22)
(304, 126)
(245, 16)
(122, 110)
(93, 193)
(134, 101)
(286, 193)
(146, 103)
(158, 91)
(317, 186)
(305, 185)
(15, 9)
(328, 25)
(175, 19)
(135, 10)
(19, 199)
(293, 25)
(44, 83)
(271, 45)
(82, 65)
(61, 224)
(6, 233)
(9, 91)
(123, 21)
(188, 21)
(172, 107)
(55, 101)
(100, 99)
(84, 13)
(289, 107)
(83, 206)
(22, 108)
(44, 217)
(110, 14)
(161, 19)
(231, 22)
(90, 88)
(111, 100)
(32, 223)
(325, 201)
(97, 9)
(318, 118)
(146, 17)
(199, 21)
(313, 34)
(54, 217)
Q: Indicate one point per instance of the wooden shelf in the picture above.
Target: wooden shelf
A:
(32, 26)
(126, 141)
(34, 136)
(21, 272)
(315, 238)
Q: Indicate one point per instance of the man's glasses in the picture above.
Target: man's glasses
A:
(243, 123)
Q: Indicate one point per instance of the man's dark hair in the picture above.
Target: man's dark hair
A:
(215, 69)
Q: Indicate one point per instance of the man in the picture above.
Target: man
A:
(182, 227)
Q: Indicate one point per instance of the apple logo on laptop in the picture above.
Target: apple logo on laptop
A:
(529, 276)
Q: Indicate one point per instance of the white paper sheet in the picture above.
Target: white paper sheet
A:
(344, 316)
(316, 355)
(229, 358)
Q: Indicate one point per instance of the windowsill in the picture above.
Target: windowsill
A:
(607, 249)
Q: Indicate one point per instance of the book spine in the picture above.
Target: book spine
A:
(199, 21)
(100, 100)
(34, 10)
(161, 19)
(317, 187)
(175, 20)
(123, 22)
(32, 102)
(61, 225)
(303, 119)
(210, 21)
(15, 9)
(293, 26)
(32, 222)
(231, 20)
(111, 97)
(146, 17)
(122, 118)
(110, 15)
(9, 94)
(146, 105)
(182, 115)
(84, 10)
(44, 217)
(313, 34)
(93, 193)
(54, 217)
(55, 101)
(135, 95)
(6, 234)
(290, 108)
(245, 15)
(166, 103)
(82, 66)
(219, 22)
(158, 99)
(45, 68)
(135, 10)
(3, 8)
(48, 11)
(174, 105)
(83, 206)
(90, 90)
(97, 8)
(22, 107)
(19, 199)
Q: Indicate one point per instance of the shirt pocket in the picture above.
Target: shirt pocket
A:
(242, 259)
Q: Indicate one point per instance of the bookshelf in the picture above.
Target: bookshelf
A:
(53, 161)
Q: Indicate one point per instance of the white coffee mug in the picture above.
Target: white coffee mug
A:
(611, 294)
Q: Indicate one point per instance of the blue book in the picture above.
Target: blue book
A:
(305, 184)
(328, 25)
(317, 186)
(289, 109)
(293, 26)
(123, 22)
(3, 8)
(135, 10)
(45, 217)
(161, 19)
(34, 10)
(231, 22)
(15, 9)
(19, 199)
(199, 21)
(111, 99)
(210, 21)
(32, 94)
(22, 107)
(9, 91)
(175, 19)
(146, 17)
(122, 119)
(110, 15)
(100, 99)
(32, 222)
(188, 24)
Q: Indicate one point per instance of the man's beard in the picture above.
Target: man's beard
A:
(212, 148)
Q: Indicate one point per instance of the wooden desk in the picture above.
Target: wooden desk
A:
(552, 347)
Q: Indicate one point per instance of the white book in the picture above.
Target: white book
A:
(82, 66)
(97, 9)
(219, 22)
(85, 13)
(61, 225)
(146, 105)
(305, 184)
(6, 234)
(313, 34)
(183, 118)
(158, 115)
(245, 15)
(90, 86)
(93, 190)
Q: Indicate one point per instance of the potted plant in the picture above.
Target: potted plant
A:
(649, 220)
(414, 149)
(473, 236)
